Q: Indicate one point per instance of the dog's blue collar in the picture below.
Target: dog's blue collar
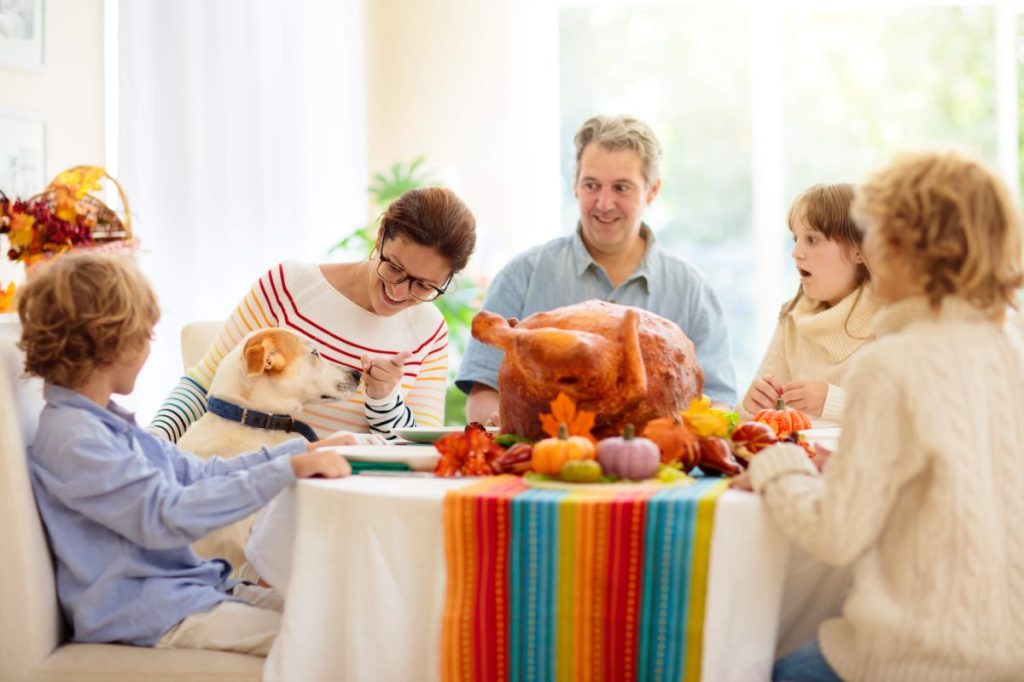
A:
(260, 420)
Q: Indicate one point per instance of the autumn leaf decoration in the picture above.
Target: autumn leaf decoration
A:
(563, 411)
(7, 298)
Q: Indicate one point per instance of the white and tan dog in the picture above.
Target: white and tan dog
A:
(271, 373)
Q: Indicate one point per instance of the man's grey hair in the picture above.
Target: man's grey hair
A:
(622, 132)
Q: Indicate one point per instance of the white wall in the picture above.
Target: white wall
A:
(67, 94)
(473, 86)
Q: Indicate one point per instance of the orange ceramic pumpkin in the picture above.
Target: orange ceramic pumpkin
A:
(674, 438)
(783, 420)
(551, 453)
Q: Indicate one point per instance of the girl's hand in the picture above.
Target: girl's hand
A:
(806, 396)
(382, 373)
(762, 394)
(320, 461)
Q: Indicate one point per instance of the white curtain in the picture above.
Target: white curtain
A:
(241, 143)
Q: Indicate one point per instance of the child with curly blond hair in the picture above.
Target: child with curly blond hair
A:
(122, 506)
(925, 493)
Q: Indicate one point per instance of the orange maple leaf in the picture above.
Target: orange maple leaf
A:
(563, 411)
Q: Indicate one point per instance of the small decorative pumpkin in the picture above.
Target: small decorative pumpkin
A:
(550, 454)
(783, 420)
(581, 471)
(675, 440)
(716, 457)
(751, 438)
(628, 456)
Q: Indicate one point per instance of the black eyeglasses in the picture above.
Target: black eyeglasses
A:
(418, 289)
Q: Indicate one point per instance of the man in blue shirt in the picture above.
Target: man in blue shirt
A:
(611, 256)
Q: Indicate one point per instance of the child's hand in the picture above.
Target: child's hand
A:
(742, 482)
(382, 373)
(320, 461)
(762, 394)
(821, 456)
(806, 396)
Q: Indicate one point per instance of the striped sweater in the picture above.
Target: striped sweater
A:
(297, 296)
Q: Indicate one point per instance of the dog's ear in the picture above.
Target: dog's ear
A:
(262, 356)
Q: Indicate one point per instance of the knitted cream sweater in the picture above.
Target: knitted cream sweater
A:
(925, 495)
(815, 344)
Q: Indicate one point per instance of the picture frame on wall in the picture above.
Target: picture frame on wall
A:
(21, 34)
(22, 155)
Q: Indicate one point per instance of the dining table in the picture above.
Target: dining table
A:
(361, 563)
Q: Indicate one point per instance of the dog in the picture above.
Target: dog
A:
(267, 379)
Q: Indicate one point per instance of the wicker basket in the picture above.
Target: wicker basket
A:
(108, 226)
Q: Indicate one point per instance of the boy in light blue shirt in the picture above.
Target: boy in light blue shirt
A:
(121, 506)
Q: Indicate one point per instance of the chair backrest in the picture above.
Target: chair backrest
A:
(30, 620)
(196, 339)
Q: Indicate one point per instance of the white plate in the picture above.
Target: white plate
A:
(428, 434)
(607, 488)
(826, 435)
(417, 457)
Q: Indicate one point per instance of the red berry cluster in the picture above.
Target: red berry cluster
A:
(50, 233)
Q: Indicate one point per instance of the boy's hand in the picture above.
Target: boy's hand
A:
(382, 373)
(742, 482)
(821, 456)
(320, 461)
(806, 396)
(763, 394)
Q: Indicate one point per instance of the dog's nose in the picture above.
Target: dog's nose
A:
(356, 375)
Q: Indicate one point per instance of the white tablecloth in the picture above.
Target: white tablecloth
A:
(365, 584)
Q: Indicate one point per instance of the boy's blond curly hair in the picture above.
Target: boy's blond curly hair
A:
(953, 222)
(82, 312)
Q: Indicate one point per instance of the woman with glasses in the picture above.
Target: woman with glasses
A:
(365, 315)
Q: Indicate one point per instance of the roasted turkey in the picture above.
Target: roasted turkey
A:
(624, 364)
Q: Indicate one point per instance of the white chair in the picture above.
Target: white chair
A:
(196, 339)
(32, 632)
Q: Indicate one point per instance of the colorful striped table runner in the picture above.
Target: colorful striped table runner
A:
(557, 585)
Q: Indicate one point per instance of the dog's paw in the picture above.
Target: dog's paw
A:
(369, 439)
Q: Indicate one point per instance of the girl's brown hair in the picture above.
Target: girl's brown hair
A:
(826, 208)
(83, 312)
(436, 218)
(954, 224)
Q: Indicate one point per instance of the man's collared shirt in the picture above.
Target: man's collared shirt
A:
(562, 272)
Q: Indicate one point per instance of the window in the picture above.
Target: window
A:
(752, 105)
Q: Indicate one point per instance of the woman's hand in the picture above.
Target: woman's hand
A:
(806, 396)
(763, 394)
(382, 373)
(320, 460)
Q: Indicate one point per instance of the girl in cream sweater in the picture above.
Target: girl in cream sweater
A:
(829, 318)
(925, 493)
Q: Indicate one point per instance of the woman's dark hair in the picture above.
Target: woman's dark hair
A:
(436, 218)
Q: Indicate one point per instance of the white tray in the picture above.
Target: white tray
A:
(416, 457)
(429, 434)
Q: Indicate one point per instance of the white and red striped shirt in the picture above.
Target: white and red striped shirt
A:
(298, 297)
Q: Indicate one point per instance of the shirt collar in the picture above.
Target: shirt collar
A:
(114, 415)
(583, 260)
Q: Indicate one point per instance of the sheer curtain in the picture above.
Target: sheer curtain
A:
(241, 142)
